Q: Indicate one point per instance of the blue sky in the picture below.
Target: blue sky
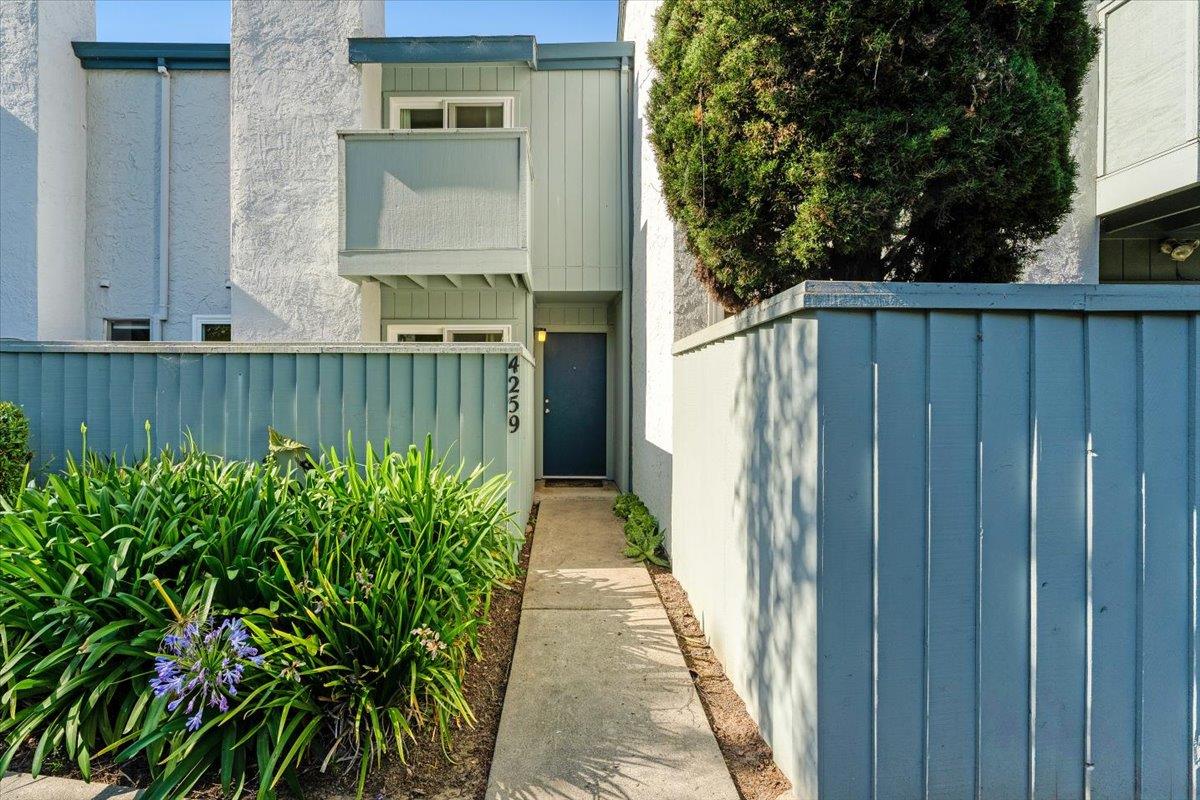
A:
(208, 20)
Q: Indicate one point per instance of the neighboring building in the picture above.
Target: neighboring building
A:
(314, 182)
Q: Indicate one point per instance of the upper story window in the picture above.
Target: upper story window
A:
(448, 333)
(418, 113)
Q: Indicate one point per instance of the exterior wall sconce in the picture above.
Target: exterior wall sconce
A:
(541, 334)
(1177, 250)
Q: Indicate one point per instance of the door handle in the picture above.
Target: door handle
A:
(546, 405)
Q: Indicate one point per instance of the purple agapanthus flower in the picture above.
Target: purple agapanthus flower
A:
(202, 667)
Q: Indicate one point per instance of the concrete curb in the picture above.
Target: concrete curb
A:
(23, 786)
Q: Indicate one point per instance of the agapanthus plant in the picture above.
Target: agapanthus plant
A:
(202, 667)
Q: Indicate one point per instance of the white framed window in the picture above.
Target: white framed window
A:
(211, 328)
(127, 330)
(455, 113)
(449, 333)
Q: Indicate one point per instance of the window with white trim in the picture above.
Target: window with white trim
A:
(456, 113)
(449, 333)
(211, 328)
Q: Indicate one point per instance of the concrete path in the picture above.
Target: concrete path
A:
(600, 703)
(23, 786)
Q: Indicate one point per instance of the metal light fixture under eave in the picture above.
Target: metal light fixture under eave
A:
(541, 334)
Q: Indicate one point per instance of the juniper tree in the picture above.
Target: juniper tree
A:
(866, 139)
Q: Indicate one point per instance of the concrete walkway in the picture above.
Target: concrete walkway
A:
(600, 703)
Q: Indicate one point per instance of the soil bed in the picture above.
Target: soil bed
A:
(749, 759)
(428, 775)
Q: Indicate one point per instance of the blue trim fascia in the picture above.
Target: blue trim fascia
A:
(490, 49)
(148, 55)
(443, 49)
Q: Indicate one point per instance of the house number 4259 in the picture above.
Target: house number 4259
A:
(514, 396)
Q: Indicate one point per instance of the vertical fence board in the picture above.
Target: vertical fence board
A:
(900, 555)
(191, 395)
(354, 402)
(120, 404)
(1113, 371)
(73, 403)
(285, 381)
(50, 403)
(424, 398)
(447, 431)
(145, 378)
(308, 384)
(1060, 556)
(29, 397)
(215, 406)
(166, 404)
(1165, 616)
(376, 399)
(470, 408)
(495, 396)
(1004, 556)
(237, 399)
(259, 409)
(846, 544)
(400, 400)
(953, 545)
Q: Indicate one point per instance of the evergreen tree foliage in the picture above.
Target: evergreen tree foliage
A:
(909, 140)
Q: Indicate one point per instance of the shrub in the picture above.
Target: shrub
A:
(362, 586)
(643, 538)
(865, 140)
(14, 448)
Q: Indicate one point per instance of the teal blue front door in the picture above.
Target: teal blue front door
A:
(573, 405)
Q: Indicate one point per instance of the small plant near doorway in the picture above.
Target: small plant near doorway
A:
(643, 537)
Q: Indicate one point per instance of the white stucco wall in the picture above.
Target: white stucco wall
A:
(62, 167)
(292, 88)
(18, 165)
(653, 296)
(123, 185)
(1072, 255)
(42, 164)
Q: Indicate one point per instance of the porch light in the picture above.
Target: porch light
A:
(541, 334)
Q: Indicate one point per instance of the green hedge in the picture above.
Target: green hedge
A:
(361, 587)
(643, 538)
(14, 448)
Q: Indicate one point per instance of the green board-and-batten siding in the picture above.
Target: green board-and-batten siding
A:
(574, 121)
(226, 396)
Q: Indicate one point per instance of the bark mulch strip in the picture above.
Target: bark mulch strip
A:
(750, 760)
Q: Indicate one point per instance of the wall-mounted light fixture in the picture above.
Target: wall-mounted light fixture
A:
(541, 334)
(1177, 250)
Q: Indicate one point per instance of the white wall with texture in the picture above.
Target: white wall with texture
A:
(124, 113)
(653, 295)
(292, 88)
(42, 165)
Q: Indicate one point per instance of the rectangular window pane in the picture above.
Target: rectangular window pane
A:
(479, 116)
(419, 118)
(477, 336)
(216, 332)
(418, 337)
(129, 330)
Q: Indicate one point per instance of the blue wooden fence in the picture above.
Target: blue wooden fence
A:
(944, 538)
(225, 397)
